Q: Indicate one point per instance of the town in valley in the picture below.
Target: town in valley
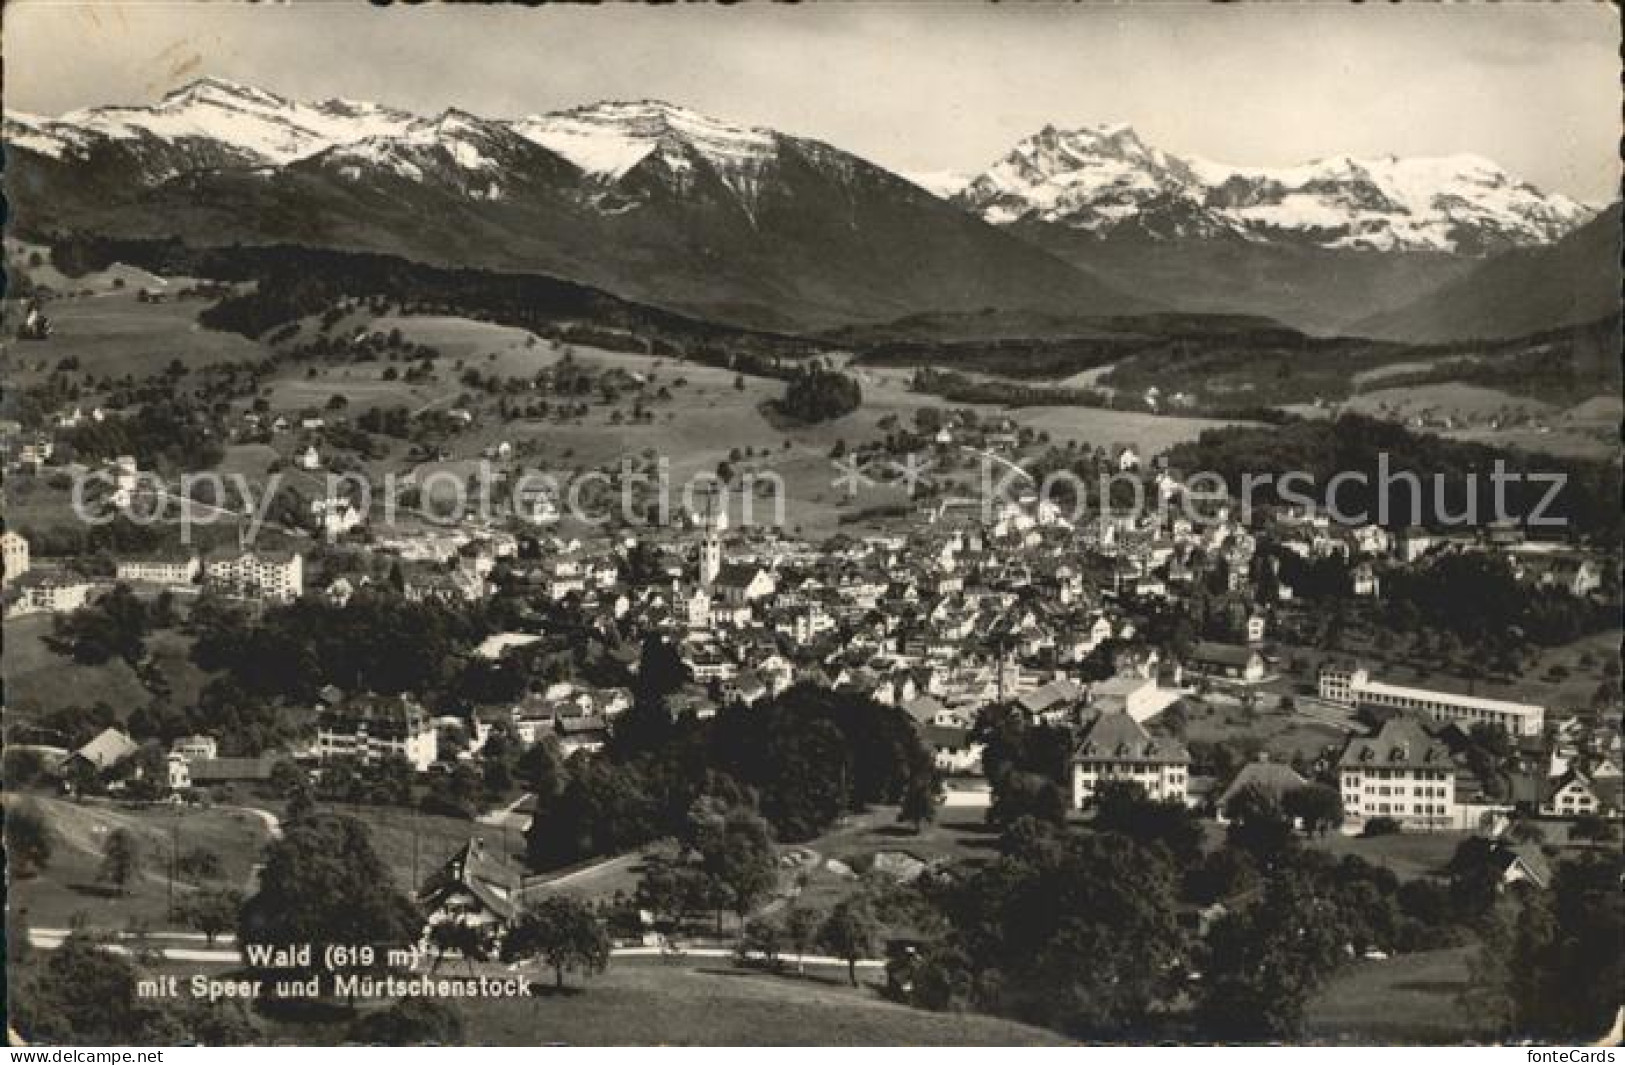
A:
(619, 575)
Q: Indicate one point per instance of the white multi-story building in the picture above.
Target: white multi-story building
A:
(1353, 686)
(1402, 773)
(13, 556)
(177, 569)
(1115, 747)
(278, 576)
(369, 728)
(52, 594)
(195, 748)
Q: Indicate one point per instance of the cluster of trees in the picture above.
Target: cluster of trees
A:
(114, 626)
(726, 862)
(1563, 367)
(296, 282)
(378, 642)
(1455, 476)
(1476, 597)
(801, 760)
(1551, 969)
(172, 435)
(83, 994)
(1080, 928)
(816, 393)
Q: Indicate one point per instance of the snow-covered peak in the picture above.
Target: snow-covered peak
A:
(943, 184)
(255, 126)
(1104, 171)
(1100, 179)
(608, 139)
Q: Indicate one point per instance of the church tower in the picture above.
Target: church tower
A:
(710, 556)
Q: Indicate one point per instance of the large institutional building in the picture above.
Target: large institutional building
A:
(1115, 747)
(1353, 686)
(369, 728)
(1402, 773)
(278, 576)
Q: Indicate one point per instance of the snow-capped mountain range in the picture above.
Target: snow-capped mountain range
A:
(657, 203)
(1105, 180)
(212, 123)
(644, 199)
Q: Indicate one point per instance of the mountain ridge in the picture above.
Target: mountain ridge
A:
(1105, 179)
(755, 227)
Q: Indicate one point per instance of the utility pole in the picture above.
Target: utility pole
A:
(174, 860)
(414, 852)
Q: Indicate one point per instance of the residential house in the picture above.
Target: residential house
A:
(1574, 794)
(195, 748)
(109, 747)
(1230, 661)
(476, 887)
(1272, 778)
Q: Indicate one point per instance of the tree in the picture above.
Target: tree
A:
(469, 941)
(736, 849)
(849, 933)
(115, 626)
(1123, 807)
(1556, 973)
(1264, 962)
(561, 932)
(1018, 794)
(817, 394)
(410, 1022)
(322, 884)
(674, 892)
(85, 995)
(1258, 825)
(1025, 923)
(29, 839)
(801, 927)
(1318, 807)
(763, 936)
(920, 797)
(120, 861)
(213, 911)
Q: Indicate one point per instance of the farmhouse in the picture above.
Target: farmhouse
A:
(1230, 661)
(475, 887)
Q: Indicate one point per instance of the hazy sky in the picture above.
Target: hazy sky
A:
(913, 86)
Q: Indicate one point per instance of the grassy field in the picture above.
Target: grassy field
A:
(1283, 735)
(1412, 998)
(1409, 855)
(111, 334)
(38, 680)
(67, 890)
(654, 1003)
(405, 839)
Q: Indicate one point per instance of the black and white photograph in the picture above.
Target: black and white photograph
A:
(941, 524)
